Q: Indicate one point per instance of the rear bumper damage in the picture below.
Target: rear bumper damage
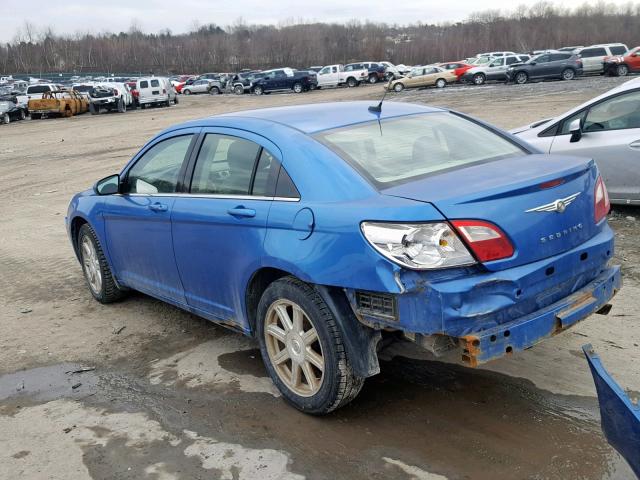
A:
(525, 332)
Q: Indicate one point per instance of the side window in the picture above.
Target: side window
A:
(512, 60)
(158, 169)
(334, 69)
(264, 181)
(618, 50)
(618, 113)
(144, 84)
(224, 166)
(155, 83)
(542, 59)
(324, 71)
(348, 68)
(498, 62)
(593, 52)
(285, 187)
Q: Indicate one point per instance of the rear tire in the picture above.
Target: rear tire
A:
(238, 89)
(292, 350)
(96, 270)
(22, 115)
(94, 109)
(121, 106)
(258, 90)
(5, 119)
(214, 91)
(186, 92)
(352, 82)
(373, 79)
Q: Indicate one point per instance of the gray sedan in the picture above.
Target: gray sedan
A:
(203, 85)
(607, 129)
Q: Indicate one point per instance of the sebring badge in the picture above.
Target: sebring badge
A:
(558, 206)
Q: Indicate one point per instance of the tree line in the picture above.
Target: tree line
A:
(213, 48)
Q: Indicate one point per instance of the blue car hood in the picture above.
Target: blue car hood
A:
(505, 191)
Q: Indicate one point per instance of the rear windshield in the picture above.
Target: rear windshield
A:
(144, 84)
(155, 83)
(403, 149)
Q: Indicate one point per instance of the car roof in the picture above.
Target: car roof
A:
(317, 117)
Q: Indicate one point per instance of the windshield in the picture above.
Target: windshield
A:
(403, 149)
(4, 106)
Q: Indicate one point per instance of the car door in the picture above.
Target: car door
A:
(633, 60)
(542, 68)
(138, 220)
(220, 226)
(496, 69)
(592, 59)
(325, 77)
(611, 136)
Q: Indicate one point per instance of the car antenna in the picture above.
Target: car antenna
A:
(378, 108)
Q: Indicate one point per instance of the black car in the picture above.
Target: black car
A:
(553, 65)
(243, 81)
(284, 79)
(10, 109)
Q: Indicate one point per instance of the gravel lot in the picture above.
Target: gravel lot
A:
(173, 396)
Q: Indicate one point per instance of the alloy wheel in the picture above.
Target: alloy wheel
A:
(294, 347)
(91, 265)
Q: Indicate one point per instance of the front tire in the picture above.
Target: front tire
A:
(186, 92)
(373, 79)
(352, 82)
(297, 88)
(441, 83)
(568, 74)
(479, 79)
(214, 91)
(302, 348)
(398, 87)
(622, 70)
(5, 119)
(95, 267)
(238, 89)
(521, 78)
(258, 90)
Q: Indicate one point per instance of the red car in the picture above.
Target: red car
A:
(621, 65)
(458, 67)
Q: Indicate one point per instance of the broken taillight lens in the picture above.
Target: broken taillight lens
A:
(601, 201)
(484, 239)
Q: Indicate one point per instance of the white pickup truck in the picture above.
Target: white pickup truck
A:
(336, 75)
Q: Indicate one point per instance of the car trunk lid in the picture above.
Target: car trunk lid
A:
(543, 203)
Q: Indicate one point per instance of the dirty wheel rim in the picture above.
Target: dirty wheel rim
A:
(521, 78)
(398, 87)
(297, 88)
(568, 75)
(622, 70)
(440, 83)
(478, 79)
(294, 348)
(91, 265)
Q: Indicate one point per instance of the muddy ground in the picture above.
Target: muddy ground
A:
(173, 396)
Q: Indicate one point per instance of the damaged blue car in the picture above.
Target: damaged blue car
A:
(321, 229)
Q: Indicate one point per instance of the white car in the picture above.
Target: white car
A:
(34, 92)
(607, 129)
(336, 75)
(155, 91)
(123, 91)
(593, 56)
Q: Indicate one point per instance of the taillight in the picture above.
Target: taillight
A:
(164, 90)
(601, 201)
(484, 239)
(115, 92)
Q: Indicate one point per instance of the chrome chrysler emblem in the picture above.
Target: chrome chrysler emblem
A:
(559, 205)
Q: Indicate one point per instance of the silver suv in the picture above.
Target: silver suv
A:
(593, 56)
(494, 69)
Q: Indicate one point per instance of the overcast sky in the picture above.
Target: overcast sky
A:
(70, 16)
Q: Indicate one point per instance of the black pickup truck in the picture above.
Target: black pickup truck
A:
(284, 79)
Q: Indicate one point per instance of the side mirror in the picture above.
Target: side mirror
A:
(108, 185)
(533, 63)
(576, 130)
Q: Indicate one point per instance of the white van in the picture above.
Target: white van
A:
(593, 56)
(155, 91)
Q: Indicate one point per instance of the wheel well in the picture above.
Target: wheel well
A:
(76, 224)
(257, 285)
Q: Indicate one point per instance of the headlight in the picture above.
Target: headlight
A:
(421, 246)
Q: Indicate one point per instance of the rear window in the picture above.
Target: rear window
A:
(618, 50)
(144, 84)
(39, 89)
(403, 149)
(155, 83)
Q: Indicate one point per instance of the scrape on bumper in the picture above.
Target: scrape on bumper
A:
(526, 331)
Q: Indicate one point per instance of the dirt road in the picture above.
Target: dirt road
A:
(169, 395)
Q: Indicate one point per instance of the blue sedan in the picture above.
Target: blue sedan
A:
(321, 229)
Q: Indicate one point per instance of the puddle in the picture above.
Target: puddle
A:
(244, 362)
(48, 383)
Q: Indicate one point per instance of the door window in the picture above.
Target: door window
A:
(512, 60)
(542, 59)
(334, 69)
(155, 83)
(593, 52)
(225, 166)
(324, 71)
(618, 113)
(158, 170)
(498, 62)
(618, 50)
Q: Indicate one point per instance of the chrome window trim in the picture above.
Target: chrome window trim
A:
(207, 195)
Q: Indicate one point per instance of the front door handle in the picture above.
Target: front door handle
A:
(158, 207)
(635, 144)
(242, 212)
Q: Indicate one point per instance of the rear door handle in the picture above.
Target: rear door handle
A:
(158, 207)
(242, 212)
(635, 144)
